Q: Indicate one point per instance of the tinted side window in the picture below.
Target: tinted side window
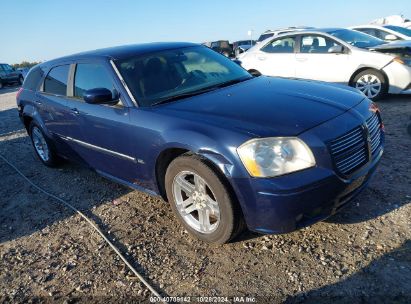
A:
(8, 68)
(56, 80)
(381, 34)
(33, 78)
(368, 31)
(316, 44)
(91, 76)
(282, 45)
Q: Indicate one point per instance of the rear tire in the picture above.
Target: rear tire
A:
(42, 146)
(372, 83)
(195, 192)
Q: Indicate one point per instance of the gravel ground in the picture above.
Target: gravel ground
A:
(48, 253)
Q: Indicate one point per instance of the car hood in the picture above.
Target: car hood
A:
(403, 44)
(267, 106)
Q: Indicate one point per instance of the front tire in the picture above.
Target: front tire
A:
(42, 147)
(372, 83)
(201, 200)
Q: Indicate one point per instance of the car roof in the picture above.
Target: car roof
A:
(125, 51)
(291, 28)
(368, 25)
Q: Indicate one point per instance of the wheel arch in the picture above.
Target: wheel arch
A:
(364, 68)
(220, 165)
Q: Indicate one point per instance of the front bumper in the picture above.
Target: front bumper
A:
(288, 210)
(299, 199)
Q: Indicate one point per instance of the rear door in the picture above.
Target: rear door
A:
(108, 144)
(313, 60)
(277, 58)
(52, 104)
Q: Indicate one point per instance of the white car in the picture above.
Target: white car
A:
(384, 32)
(335, 55)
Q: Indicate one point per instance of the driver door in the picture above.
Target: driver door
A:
(314, 61)
(108, 144)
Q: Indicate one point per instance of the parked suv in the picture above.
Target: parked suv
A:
(223, 47)
(242, 46)
(9, 75)
(225, 149)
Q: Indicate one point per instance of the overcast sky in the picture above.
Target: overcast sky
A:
(45, 29)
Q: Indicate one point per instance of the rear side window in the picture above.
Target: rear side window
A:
(91, 76)
(56, 80)
(33, 79)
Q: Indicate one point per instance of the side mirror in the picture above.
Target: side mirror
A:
(336, 49)
(101, 96)
(390, 37)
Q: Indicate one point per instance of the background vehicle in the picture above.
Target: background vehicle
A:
(242, 46)
(9, 75)
(224, 148)
(385, 32)
(223, 47)
(335, 55)
(398, 20)
(272, 33)
(23, 71)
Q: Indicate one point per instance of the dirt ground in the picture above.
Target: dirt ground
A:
(362, 254)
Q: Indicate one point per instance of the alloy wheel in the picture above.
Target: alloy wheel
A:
(40, 144)
(196, 202)
(369, 84)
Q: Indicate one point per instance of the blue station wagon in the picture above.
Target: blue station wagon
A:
(227, 150)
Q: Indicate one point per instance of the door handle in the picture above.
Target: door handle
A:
(75, 111)
(261, 57)
(302, 59)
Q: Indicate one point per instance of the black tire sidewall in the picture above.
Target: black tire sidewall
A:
(384, 85)
(225, 229)
(53, 160)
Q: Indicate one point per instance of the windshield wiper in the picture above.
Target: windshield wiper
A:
(201, 91)
(181, 96)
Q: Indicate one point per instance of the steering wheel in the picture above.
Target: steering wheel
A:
(192, 77)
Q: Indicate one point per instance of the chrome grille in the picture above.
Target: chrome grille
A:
(374, 131)
(349, 151)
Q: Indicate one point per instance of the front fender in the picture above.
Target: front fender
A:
(200, 144)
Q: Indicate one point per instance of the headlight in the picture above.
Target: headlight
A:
(402, 60)
(274, 156)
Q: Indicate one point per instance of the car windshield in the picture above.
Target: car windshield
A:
(399, 29)
(172, 74)
(357, 39)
